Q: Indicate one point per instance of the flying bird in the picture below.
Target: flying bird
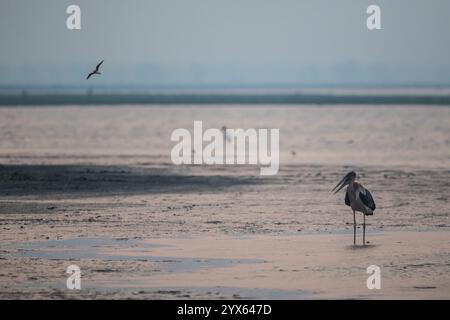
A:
(358, 198)
(95, 71)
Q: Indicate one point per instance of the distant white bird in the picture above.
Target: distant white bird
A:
(226, 136)
(358, 198)
(95, 71)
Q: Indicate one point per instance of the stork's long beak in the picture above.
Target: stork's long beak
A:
(341, 184)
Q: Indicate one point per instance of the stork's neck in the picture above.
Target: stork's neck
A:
(352, 185)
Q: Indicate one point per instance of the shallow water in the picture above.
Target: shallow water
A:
(107, 249)
(351, 135)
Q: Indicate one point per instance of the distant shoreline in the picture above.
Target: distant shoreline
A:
(28, 99)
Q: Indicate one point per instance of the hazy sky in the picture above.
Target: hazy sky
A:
(225, 41)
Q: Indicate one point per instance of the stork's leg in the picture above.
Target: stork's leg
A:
(364, 230)
(354, 228)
